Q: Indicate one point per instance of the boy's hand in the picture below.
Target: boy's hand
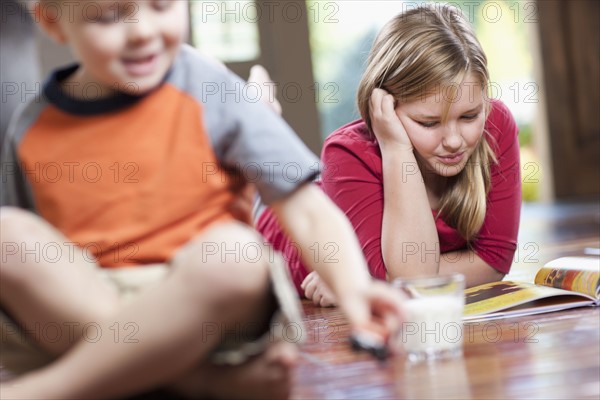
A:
(387, 127)
(317, 291)
(376, 311)
(308, 216)
(383, 308)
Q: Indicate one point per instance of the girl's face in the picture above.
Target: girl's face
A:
(444, 148)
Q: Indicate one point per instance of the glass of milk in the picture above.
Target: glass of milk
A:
(433, 309)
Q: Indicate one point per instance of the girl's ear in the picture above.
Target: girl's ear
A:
(49, 20)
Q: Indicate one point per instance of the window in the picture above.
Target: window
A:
(226, 30)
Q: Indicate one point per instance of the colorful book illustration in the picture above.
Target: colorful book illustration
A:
(563, 283)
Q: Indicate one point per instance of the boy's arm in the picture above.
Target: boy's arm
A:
(329, 246)
(14, 189)
(314, 222)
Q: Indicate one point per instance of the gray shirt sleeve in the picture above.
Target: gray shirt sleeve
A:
(14, 188)
(245, 133)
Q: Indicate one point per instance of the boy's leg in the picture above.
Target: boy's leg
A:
(267, 376)
(170, 318)
(47, 283)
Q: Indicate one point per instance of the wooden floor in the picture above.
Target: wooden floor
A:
(550, 356)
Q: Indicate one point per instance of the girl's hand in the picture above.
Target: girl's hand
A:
(387, 127)
(259, 75)
(317, 291)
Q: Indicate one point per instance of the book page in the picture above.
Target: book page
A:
(577, 274)
(496, 296)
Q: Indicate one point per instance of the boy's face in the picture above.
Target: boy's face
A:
(123, 45)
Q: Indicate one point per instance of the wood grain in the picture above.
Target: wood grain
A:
(550, 356)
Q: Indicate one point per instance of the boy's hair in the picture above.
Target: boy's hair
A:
(429, 50)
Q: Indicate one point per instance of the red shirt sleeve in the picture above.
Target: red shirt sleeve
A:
(497, 239)
(352, 177)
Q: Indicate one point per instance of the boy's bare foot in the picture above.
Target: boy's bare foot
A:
(268, 376)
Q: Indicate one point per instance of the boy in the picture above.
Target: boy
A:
(127, 155)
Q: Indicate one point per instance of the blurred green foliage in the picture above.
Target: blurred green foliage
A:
(525, 135)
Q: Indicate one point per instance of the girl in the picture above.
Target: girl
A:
(429, 177)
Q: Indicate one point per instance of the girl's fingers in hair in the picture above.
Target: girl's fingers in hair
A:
(375, 102)
(388, 107)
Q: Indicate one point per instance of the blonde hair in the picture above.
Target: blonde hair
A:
(418, 53)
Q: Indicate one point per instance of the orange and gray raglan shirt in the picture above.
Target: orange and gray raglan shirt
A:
(133, 178)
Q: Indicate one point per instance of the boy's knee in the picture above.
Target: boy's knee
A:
(225, 284)
(229, 263)
(12, 217)
(16, 222)
(15, 228)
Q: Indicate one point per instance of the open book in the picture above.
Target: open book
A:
(563, 283)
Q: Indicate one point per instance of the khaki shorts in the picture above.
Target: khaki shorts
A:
(20, 354)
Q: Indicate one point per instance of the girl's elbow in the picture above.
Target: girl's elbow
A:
(411, 268)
